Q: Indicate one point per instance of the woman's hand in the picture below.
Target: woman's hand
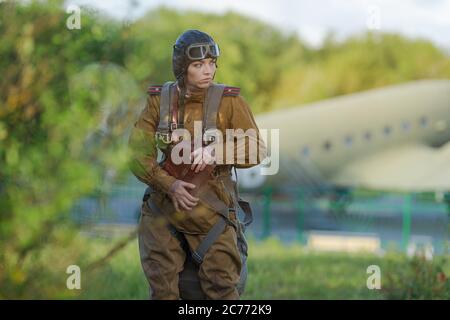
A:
(202, 157)
(181, 197)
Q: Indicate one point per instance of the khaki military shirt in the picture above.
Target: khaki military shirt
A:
(233, 113)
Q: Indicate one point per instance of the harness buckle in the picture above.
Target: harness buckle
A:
(208, 139)
(232, 216)
(164, 136)
(173, 126)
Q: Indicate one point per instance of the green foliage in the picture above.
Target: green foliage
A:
(419, 278)
(360, 63)
(58, 140)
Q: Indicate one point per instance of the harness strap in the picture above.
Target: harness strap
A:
(165, 106)
(179, 116)
(169, 112)
(171, 117)
(207, 242)
(239, 203)
(210, 199)
(174, 108)
(212, 104)
(154, 208)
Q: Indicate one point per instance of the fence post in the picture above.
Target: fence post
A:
(406, 223)
(266, 211)
(300, 216)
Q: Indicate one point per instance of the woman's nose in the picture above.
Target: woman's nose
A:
(208, 68)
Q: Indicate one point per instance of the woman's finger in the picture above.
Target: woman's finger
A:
(189, 202)
(183, 205)
(175, 204)
(190, 197)
(195, 161)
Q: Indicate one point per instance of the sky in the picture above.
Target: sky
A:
(313, 19)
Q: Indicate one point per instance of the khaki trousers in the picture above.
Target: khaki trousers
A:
(162, 256)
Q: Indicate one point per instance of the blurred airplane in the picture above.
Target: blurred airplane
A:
(395, 138)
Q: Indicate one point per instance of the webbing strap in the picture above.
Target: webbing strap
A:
(232, 188)
(164, 106)
(207, 195)
(155, 209)
(248, 214)
(208, 241)
(210, 107)
(209, 198)
(212, 104)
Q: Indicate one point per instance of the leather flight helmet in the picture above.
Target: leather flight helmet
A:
(192, 45)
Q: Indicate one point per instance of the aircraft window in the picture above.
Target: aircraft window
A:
(305, 151)
(367, 135)
(327, 145)
(387, 130)
(424, 122)
(406, 125)
(348, 140)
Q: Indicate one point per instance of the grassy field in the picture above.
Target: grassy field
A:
(277, 271)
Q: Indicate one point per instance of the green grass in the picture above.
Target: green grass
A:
(290, 272)
(276, 271)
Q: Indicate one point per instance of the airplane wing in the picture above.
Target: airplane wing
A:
(413, 167)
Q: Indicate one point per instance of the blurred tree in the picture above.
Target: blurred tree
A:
(50, 140)
(360, 63)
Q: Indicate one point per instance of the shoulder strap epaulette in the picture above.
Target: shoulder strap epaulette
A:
(231, 91)
(155, 89)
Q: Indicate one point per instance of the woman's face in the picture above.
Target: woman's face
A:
(201, 73)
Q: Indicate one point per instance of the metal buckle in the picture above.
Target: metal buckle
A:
(196, 257)
(209, 138)
(232, 215)
(173, 126)
(164, 136)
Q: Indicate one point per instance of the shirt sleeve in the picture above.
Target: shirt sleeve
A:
(142, 144)
(249, 148)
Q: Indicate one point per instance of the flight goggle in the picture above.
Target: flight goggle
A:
(201, 51)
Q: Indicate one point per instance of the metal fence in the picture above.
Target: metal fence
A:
(398, 221)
